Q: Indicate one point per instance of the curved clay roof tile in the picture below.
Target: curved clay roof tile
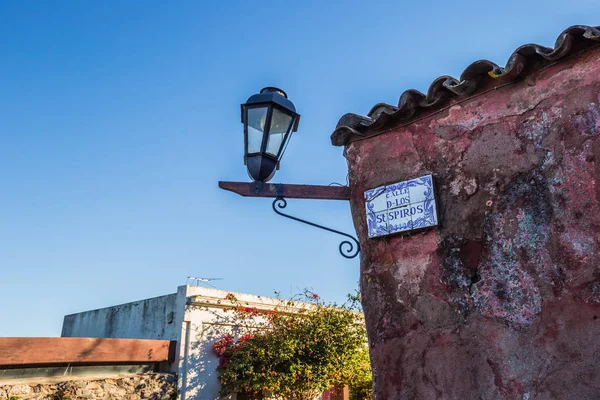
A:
(523, 61)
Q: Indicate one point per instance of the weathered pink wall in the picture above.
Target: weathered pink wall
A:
(502, 301)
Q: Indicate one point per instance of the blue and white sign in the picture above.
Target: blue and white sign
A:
(400, 207)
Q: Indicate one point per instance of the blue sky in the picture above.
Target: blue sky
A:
(117, 120)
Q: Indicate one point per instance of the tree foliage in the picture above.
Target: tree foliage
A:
(296, 351)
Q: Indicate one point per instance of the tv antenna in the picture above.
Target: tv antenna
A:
(202, 281)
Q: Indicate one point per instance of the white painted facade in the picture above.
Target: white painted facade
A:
(194, 317)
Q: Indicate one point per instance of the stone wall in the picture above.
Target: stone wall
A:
(502, 300)
(147, 386)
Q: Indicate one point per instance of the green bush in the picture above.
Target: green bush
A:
(297, 352)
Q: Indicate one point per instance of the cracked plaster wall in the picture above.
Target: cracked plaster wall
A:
(502, 301)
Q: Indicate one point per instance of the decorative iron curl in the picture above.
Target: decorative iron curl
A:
(351, 250)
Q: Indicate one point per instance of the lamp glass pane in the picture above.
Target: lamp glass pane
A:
(280, 126)
(256, 126)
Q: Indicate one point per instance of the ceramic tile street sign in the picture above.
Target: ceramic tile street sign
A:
(401, 207)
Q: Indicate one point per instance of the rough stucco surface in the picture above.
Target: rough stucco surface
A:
(502, 301)
(145, 319)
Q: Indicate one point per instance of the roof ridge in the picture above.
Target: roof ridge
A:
(523, 61)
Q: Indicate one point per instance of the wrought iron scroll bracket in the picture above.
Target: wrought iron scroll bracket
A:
(347, 248)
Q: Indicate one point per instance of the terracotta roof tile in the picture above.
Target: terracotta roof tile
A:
(523, 61)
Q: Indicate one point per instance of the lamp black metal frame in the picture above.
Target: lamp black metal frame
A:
(261, 163)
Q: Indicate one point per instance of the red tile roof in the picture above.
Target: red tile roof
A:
(523, 61)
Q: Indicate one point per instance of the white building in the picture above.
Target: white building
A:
(194, 317)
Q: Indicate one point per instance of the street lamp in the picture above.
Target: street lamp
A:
(269, 119)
